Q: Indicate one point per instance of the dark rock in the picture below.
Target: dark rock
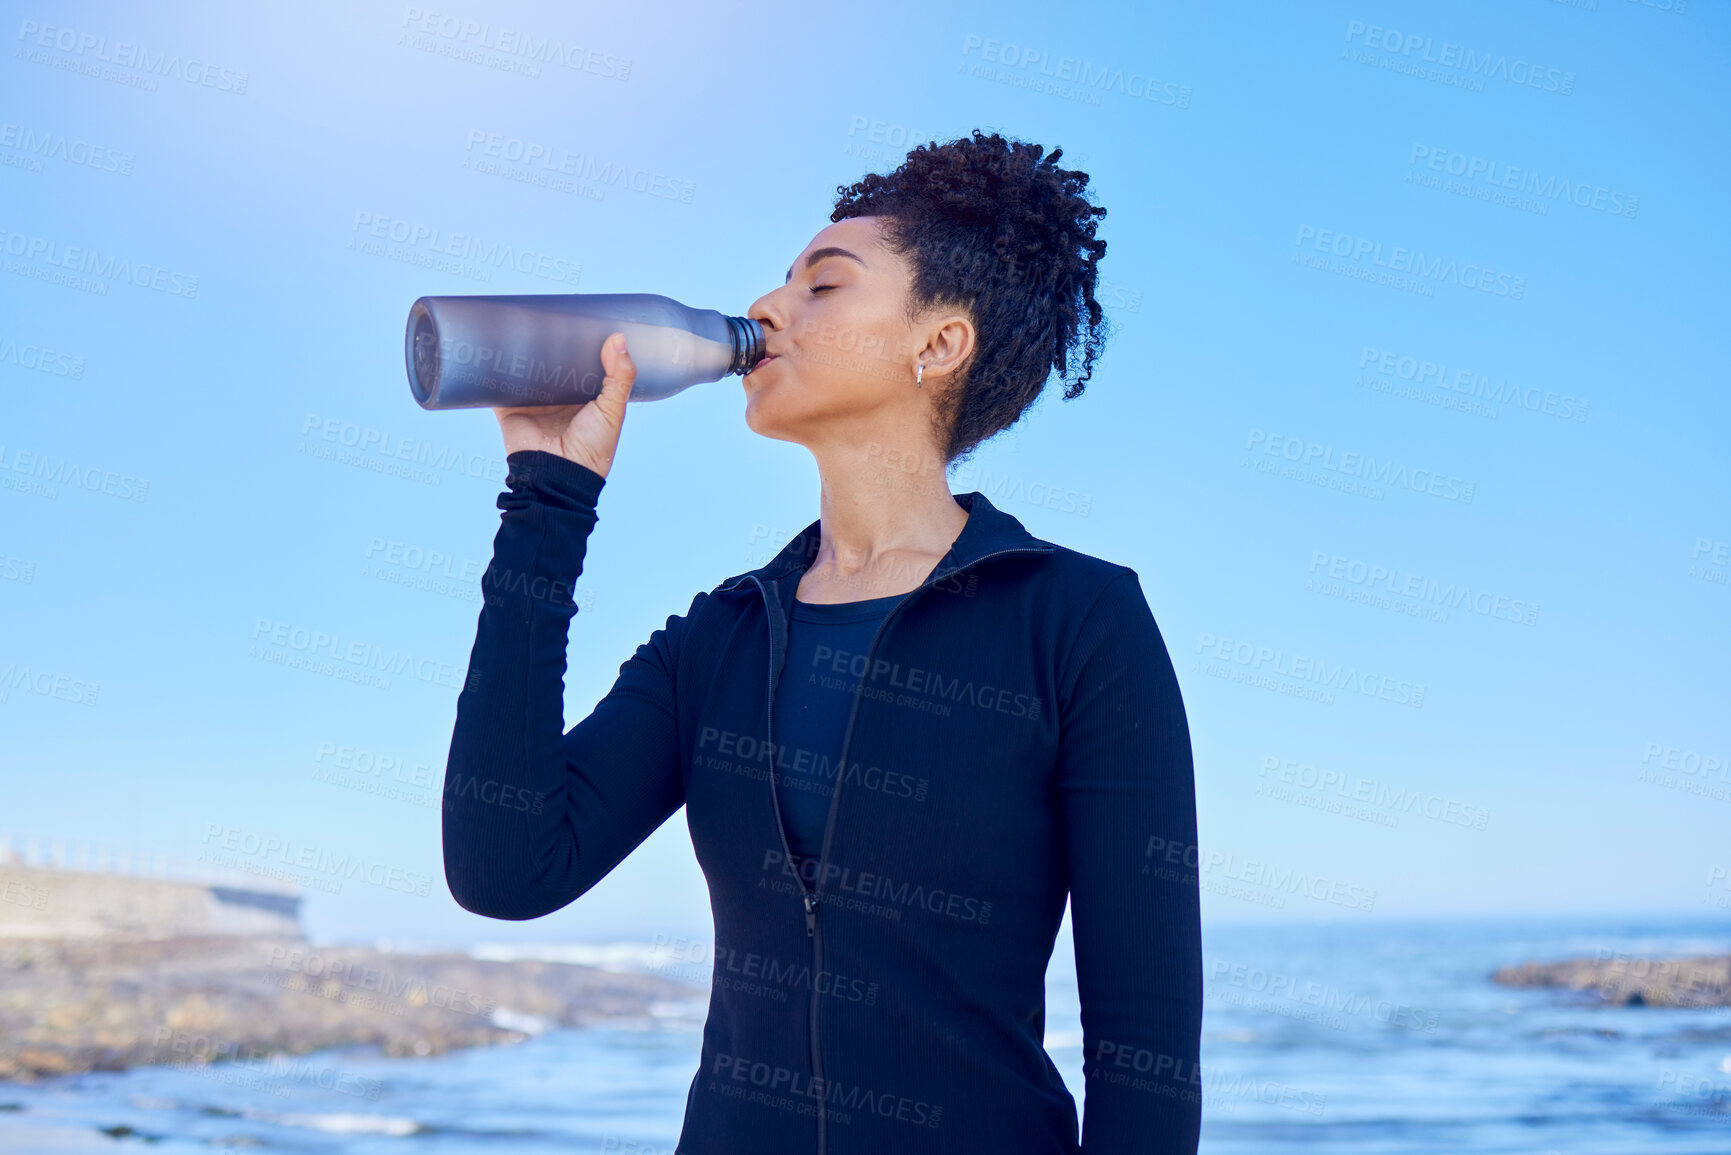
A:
(74, 1005)
(1620, 980)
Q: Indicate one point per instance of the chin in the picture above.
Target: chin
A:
(769, 415)
(759, 416)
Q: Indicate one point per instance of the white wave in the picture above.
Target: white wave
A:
(616, 957)
(347, 1123)
(509, 1020)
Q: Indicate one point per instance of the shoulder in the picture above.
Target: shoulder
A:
(1089, 581)
(1108, 633)
(1106, 614)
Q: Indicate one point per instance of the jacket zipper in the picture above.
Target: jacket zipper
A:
(771, 608)
(812, 897)
(774, 675)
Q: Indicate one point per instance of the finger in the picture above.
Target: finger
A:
(615, 358)
(621, 375)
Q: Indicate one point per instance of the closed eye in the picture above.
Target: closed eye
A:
(821, 288)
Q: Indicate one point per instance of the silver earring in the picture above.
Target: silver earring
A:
(920, 374)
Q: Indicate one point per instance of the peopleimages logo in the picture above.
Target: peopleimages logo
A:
(92, 262)
(1507, 176)
(1473, 384)
(917, 688)
(1711, 561)
(1363, 466)
(223, 1059)
(416, 235)
(1305, 670)
(336, 973)
(364, 657)
(892, 133)
(1478, 65)
(1373, 792)
(750, 972)
(40, 358)
(1429, 590)
(87, 46)
(317, 859)
(65, 471)
(364, 439)
(793, 762)
(1327, 998)
(531, 50)
(846, 881)
(1085, 75)
(16, 676)
(580, 166)
(49, 145)
(1278, 879)
(1412, 261)
(796, 1085)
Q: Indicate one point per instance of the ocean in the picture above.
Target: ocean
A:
(1376, 1037)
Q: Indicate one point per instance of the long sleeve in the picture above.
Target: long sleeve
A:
(1128, 791)
(532, 816)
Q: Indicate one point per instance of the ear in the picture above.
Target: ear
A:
(949, 340)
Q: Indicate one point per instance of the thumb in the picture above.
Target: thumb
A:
(621, 378)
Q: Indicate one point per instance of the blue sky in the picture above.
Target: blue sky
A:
(1418, 373)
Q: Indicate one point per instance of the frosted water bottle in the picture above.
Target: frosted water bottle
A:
(545, 349)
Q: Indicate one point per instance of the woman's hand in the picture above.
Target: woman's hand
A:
(586, 433)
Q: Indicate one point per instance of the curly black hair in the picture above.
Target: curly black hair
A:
(994, 227)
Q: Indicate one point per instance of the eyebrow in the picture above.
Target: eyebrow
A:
(832, 251)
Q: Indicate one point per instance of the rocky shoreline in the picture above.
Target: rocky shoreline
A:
(74, 1005)
(1616, 979)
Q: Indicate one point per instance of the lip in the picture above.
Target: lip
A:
(761, 363)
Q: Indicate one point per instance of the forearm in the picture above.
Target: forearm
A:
(1139, 954)
(1142, 1037)
(506, 770)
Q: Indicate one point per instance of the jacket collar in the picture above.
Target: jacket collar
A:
(988, 530)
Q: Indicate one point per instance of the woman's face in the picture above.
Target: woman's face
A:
(842, 353)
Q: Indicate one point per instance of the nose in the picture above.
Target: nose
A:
(767, 311)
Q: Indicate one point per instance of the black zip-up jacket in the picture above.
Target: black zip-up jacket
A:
(1017, 737)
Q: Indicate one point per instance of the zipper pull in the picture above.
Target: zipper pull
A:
(810, 916)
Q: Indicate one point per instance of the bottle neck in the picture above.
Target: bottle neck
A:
(747, 337)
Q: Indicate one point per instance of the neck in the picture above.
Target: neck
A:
(886, 516)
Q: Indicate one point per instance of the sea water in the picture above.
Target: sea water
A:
(1376, 1037)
